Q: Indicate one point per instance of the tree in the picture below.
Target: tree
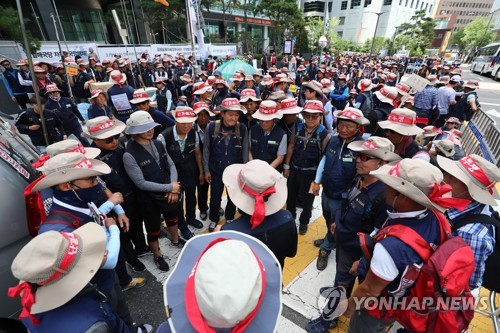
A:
(342, 45)
(315, 28)
(457, 39)
(10, 29)
(419, 33)
(477, 33)
(156, 13)
(381, 43)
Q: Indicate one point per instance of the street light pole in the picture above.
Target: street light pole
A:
(374, 34)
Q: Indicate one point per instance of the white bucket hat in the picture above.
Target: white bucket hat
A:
(116, 77)
(60, 264)
(289, 106)
(387, 94)
(102, 127)
(200, 106)
(224, 280)
(184, 115)
(416, 179)
(447, 147)
(268, 110)
(402, 121)
(353, 115)
(381, 148)
(67, 167)
(72, 146)
(231, 104)
(479, 175)
(314, 85)
(202, 88)
(278, 96)
(247, 94)
(365, 85)
(313, 106)
(140, 122)
(431, 130)
(140, 96)
(248, 185)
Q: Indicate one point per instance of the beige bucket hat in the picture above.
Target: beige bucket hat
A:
(387, 94)
(60, 264)
(289, 106)
(268, 110)
(231, 104)
(200, 106)
(72, 146)
(353, 115)
(478, 174)
(445, 146)
(247, 94)
(67, 167)
(184, 115)
(381, 148)
(402, 121)
(116, 77)
(102, 127)
(140, 122)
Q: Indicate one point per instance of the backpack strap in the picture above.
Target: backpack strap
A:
(408, 236)
(476, 218)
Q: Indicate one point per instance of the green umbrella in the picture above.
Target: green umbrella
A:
(228, 68)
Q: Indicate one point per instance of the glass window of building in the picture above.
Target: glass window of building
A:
(81, 25)
(355, 4)
(343, 5)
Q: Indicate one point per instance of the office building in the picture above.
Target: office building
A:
(466, 10)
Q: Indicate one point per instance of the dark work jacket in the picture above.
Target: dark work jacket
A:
(26, 75)
(340, 167)
(379, 112)
(278, 231)
(150, 169)
(222, 155)
(248, 123)
(185, 161)
(78, 315)
(79, 89)
(54, 126)
(68, 112)
(13, 80)
(462, 109)
(96, 111)
(162, 119)
(307, 153)
(411, 150)
(265, 148)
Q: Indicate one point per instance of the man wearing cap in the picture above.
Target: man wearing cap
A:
(416, 199)
(364, 101)
(25, 78)
(119, 95)
(268, 142)
(164, 96)
(340, 93)
(473, 178)
(303, 157)
(99, 106)
(183, 146)
(153, 172)
(290, 119)
(426, 101)
(67, 111)
(360, 213)
(28, 122)
(468, 103)
(222, 92)
(384, 101)
(336, 171)
(81, 82)
(446, 99)
(10, 78)
(142, 102)
(401, 127)
(226, 143)
(250, 101)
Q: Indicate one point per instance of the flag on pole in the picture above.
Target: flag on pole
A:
(163, 2)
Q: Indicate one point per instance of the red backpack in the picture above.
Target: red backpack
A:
(442, 281)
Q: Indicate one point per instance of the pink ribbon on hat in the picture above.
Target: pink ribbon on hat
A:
(349, 114)
(401, 119)
(288, 104)
(267, 109)
(102, 126)
(193, 309)
(370, 144)
(313, 106)
(117, 79)
(77, 149)
(182, 114)
(259, 212)
(477, 172)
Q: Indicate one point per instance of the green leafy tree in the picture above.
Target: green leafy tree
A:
(418, 33)
(381, 43)
(10, 29)
(173, 18)
(315, 29)
(457, 39)
(477, 33)
(342, 45)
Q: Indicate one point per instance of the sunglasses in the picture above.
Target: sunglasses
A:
(365, 158)
(111, 139)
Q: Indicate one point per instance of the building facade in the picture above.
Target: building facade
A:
(466, 10)
(358, 18)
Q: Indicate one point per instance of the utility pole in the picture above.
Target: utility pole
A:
(374, 34)
(32, 71)
(62, 57)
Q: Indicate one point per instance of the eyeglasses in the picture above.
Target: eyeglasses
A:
(111, 139)
(365, 158)
(310, 116)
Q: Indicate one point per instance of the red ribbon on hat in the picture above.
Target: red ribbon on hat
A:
(41, 161)
(27, 300)
(268, 110)
(402, 87)
(477, 173)
(200, 105)
(117, 79)
(248, 92)
(193, 309)
(401, 119)
(230, 101)
(313, 106)
(182, 114)
(437, 193)
(259, 212)
(83, 164)
(102, 126)
(370, 145)
(349, 114)
(78, 149)
(288, 104)
(422, 120)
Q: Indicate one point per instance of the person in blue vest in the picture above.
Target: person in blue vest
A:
(59, 302)
(416, 197)
(99, 107)
(290, 119)
(119, 95)
(142, 102)
(183, 146)
(259, 191)
(340, 94)
(267, 141)
(81, 82)
(154, 173)
(10, 78)
(336, 172)
(468, 104)
(360, 212)
(250, 101)
(67, 111)
(226, 143)
(163, 95)
(304, 154)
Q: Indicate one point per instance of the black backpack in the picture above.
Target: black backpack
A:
(491, 280)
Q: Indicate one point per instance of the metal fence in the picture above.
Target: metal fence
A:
(481, 136)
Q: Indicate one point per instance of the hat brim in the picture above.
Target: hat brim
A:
(266, 319)
(262, 116)
(313, 87)
(118, 128)
(360, 121)
(473, 87)
(381, 153)
(63, 176)
(240, 109)
(139, 129)
(56, 294)
(294, 110)
(139, 100)
(245, 202)
(401, 129)
(246, 98)
(382, 98)
(185, 120)
(477, 193)
(210, 113)
(370, 87)
(404, 187)
(202, 91)
(54, 90)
